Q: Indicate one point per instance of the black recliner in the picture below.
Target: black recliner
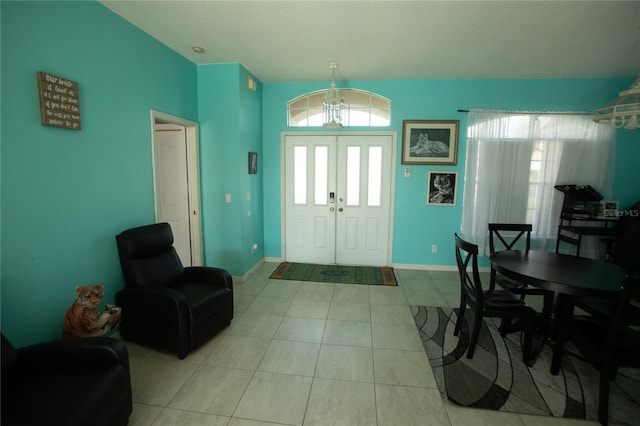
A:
(74, 382)
(166, 305)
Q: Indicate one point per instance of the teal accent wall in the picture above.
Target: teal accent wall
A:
(230, 127)
(418, 226)
(66, 194)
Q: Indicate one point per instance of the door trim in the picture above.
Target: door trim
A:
(193, 185)
(394, 144)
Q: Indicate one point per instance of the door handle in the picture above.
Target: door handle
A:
(331, 209)
(340, 209)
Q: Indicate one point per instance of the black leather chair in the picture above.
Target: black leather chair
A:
(505, 236)
(607, 342)
(493, 303)
(73, 382)
(166, 305)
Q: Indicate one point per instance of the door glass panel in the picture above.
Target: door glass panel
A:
(374, 188)
(321, 177)
(353, 175)
(300, 175)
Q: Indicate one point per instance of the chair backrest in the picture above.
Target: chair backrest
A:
(467, 258)
(147, 256)
(626, 252)
(508, 234)
(619, 322)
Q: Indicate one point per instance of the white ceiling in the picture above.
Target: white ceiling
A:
(287, 41)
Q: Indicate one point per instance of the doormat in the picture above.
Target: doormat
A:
(497, 379)
(335, 274)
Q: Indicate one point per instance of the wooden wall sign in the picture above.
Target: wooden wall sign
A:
(59, 101)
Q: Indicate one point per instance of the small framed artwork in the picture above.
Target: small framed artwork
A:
(430, 142)
(442, 188)
(253, 163)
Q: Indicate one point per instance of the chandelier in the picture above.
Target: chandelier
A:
(332, 104)
(623, 111)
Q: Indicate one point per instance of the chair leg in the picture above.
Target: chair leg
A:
(527, 347)
(473, 340)
(603, 395)
(463, 305)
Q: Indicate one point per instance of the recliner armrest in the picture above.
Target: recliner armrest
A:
(209, 274)
(78, 352)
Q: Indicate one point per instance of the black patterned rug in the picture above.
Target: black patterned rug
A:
(497, 379)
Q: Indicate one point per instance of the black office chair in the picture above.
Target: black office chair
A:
(164, 304)
(607, 342)
(491, 303)
(505, 236)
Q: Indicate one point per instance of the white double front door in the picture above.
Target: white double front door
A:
(338, 199)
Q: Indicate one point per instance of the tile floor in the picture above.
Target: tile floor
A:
(300, 353)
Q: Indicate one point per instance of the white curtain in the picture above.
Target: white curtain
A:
(514, 160)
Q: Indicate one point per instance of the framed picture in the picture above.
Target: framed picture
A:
(253, 163)
(442, 188)
(430, 142)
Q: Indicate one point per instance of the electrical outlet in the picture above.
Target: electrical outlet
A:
(254, 248)
(434, 248)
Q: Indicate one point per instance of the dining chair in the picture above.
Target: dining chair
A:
(505, 236)
(490, 303)
(607, 342)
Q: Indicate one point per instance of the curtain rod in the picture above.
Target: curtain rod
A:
(503, 111)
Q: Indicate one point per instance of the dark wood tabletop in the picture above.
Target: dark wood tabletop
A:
(560, 273)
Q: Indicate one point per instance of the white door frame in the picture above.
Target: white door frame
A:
(193, 185)
(283, 135)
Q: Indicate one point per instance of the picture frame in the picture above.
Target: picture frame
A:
(430, 142)
(253, 163)
(442, 188)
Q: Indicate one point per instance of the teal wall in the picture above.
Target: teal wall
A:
(230, 127)
(440, 99)
(66, 194)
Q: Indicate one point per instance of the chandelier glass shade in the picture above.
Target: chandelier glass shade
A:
(333, 102)
(623, 111)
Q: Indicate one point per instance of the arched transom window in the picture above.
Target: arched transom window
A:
(361, 108)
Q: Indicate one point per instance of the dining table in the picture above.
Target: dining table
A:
(564, 277)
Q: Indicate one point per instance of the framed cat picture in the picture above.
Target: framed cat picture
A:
(442, 188)
(430, 142)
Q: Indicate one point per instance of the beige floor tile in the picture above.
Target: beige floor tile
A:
(392, 314)
(171, 416)
(349, 333)
(335, 402)
(462, 416)
(351, 293)
(269, 305)
(301, 329)
(426, 298)
(345, 363)
(253, 287)
(554, 421)
(315, 291)
(407, 368)
(238, 352)
(289, 357)
(387, 295)
(281, 288)
(214, 390)
(241, 302)
(157, 381)
(349, 311)
(278, 398)
(396, 336)
(408, 406)
(235, 421)
(309, 308)
(255, 325)
(143, 414)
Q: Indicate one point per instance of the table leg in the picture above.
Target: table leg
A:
(564, 313)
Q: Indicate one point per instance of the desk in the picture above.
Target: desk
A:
(564, 277)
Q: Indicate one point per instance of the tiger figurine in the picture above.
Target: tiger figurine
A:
(84, 319)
